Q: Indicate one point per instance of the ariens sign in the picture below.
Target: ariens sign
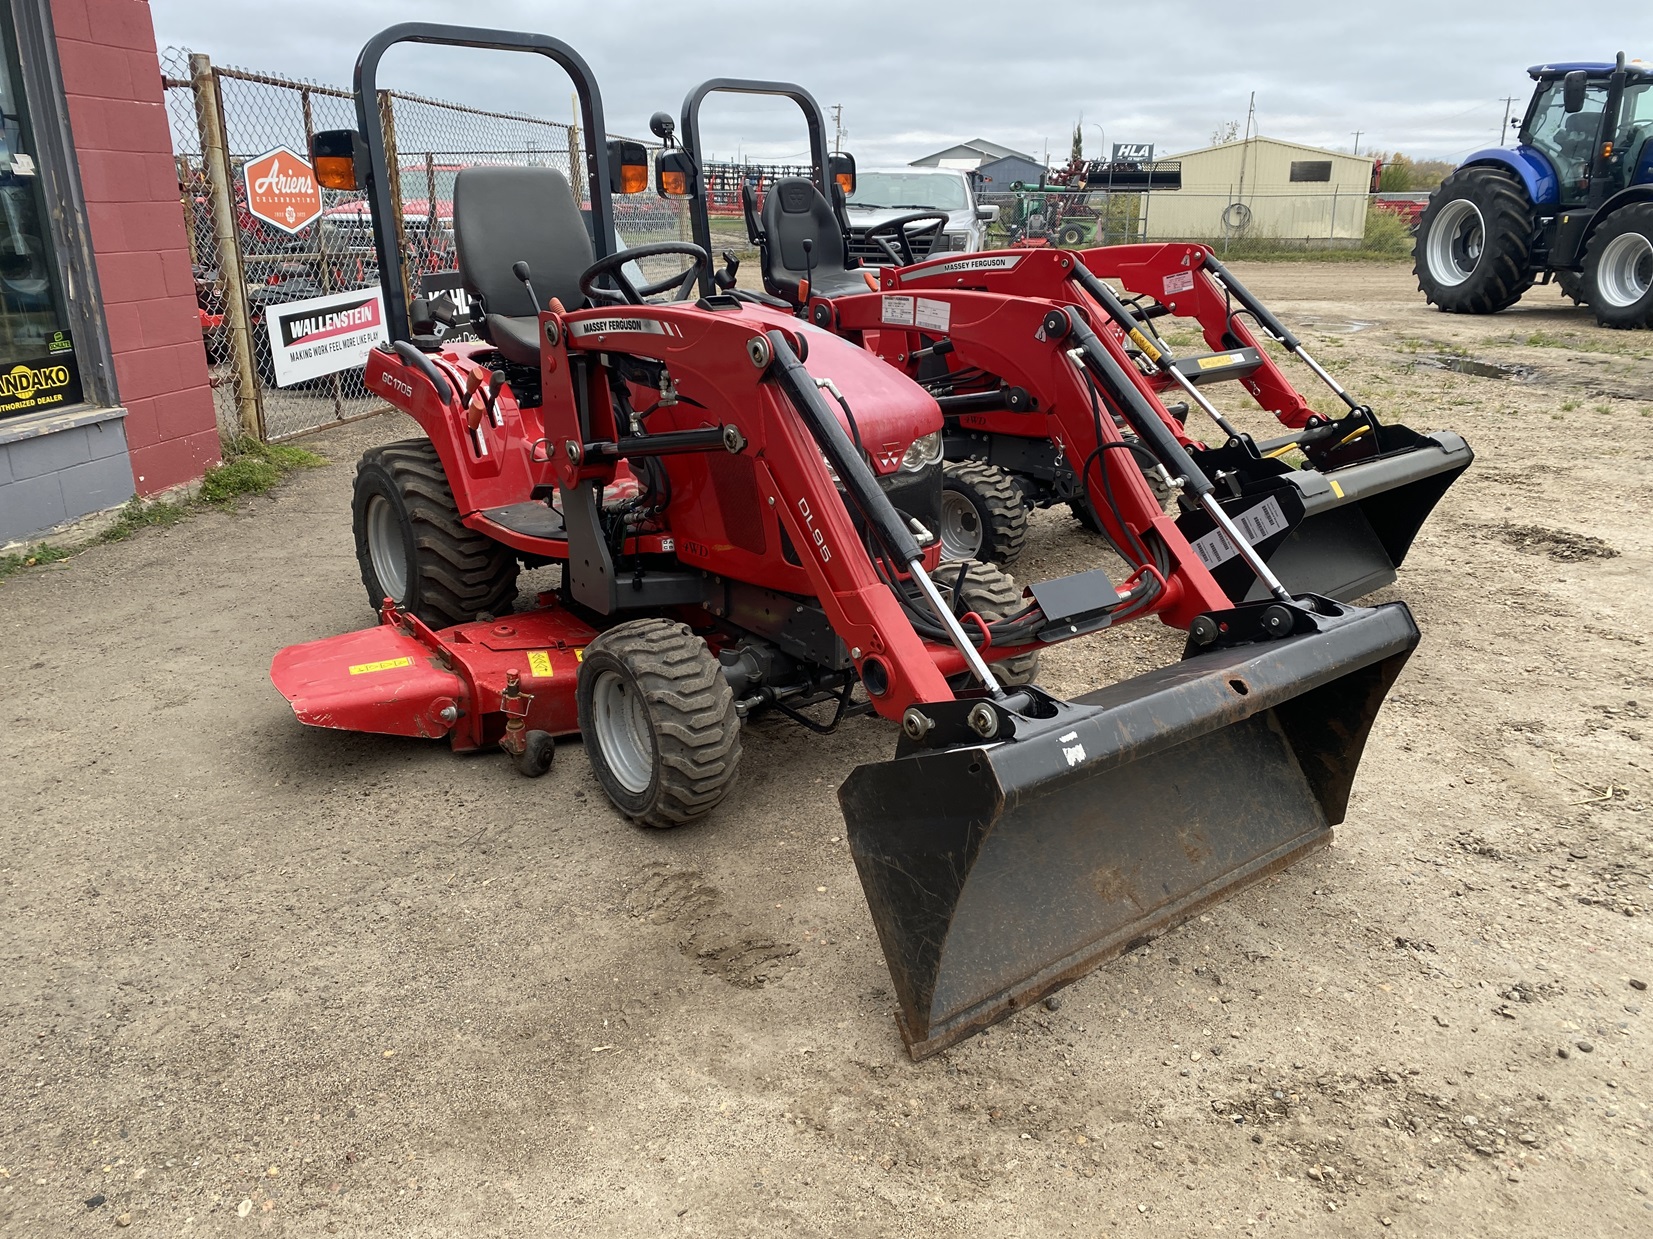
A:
(281, 189)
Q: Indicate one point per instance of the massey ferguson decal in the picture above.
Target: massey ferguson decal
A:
(957, 266)
(321, 335)
(607, 326)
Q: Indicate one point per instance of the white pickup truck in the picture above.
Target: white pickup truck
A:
(883, 194)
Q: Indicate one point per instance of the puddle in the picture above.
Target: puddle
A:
(1480, 369)
(1335, 326)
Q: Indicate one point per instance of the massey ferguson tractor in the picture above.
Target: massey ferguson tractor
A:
(742, 510)
(1572, 203)
(1333, 505)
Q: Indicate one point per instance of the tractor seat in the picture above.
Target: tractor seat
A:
(502, 216)
(795, 211)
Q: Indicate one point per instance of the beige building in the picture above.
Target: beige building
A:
(1266, 188)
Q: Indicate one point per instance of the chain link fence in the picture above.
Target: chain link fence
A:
(222, 118)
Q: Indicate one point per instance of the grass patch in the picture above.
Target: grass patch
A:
(42, 553)
(249, 468)
(1388, 238)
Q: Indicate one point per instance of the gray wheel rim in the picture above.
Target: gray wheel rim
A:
(1626, 270)
(623, 732)
(1455, 242)
(386, 547)
(960, 527)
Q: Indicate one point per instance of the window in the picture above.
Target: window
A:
(1567, 138)
(915, 191)
(38, 368)
(1311, 169)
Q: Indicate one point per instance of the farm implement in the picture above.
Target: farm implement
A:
(743, 509)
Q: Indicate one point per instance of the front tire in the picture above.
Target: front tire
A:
(993, 594)
(1571, 284)
(412, 546)
(983, 514)
(1473, 254)
(659, 721)
(1618, 268)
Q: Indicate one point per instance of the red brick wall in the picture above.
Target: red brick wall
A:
(113, 81)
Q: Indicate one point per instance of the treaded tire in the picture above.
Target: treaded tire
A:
(1503, 269)
(1606, 293)
(687, 734)
(1072, 236)
(1571, 284)
(997, 508)
(1081, 509)
(993, 594)
(452, 573)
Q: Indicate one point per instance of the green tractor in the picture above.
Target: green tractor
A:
(1572, 203)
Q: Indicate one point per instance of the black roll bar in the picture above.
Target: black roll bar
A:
(370, 123)
(689, 140)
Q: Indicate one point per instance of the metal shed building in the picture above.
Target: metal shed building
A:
(1266, 188)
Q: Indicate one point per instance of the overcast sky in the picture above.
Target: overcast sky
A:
(1424, 78)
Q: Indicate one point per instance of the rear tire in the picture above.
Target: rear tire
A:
(1571, 284)
(1072, 236)
(983, 513)
(993, 594)
(1473, 254)
(1618, 268)
(412, 546)
(659, 721)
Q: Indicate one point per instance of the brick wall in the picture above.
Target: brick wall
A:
(113, 82)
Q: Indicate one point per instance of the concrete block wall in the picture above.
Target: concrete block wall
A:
(79, 466)
(112, 78)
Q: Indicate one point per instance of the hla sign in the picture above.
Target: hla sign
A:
(282, 190)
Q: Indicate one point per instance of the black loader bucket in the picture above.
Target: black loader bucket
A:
(1341, 530)
(999, 871)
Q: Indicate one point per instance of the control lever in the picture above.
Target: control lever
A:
(809, 270)
(725, 279)
(520, 270)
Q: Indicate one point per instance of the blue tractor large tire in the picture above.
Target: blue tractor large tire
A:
(1618, 268)
(1473, 253)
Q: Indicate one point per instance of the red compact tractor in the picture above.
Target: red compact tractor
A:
(1333, 505)
(743, 510)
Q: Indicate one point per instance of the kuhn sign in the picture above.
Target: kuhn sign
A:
(282, 190)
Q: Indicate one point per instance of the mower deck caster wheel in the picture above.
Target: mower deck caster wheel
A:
(538, 748)
(659, 721)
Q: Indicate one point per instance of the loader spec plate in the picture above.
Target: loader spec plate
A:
(1256, 523)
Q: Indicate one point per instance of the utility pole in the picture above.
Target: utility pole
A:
(837, 128)
(1357, 133)
(1504, 129)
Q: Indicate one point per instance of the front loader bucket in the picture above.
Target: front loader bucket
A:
(997, 873)
(1341, 532)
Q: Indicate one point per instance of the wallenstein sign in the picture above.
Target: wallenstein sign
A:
(282, 190)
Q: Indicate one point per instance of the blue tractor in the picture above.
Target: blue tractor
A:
(1573, 203)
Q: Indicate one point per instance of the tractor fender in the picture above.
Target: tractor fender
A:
(1543, 189)
(1620, 200)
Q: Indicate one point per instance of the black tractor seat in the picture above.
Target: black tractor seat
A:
(794, 211)
(502, 216)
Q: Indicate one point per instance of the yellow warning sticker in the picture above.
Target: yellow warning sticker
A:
(539, 663)
(1141, 341)
(386, 665)
(1217, 360)
(1336, 489)
(579, 655)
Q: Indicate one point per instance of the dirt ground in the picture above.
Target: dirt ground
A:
(256, 977)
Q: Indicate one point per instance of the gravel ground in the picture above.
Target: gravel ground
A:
(259, 977)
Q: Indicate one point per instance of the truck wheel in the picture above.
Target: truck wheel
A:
(1474, 248)
(993, 594)
(1571, 284)
(983, 513)
(1618, 268)
(412, 547)
(659, 721)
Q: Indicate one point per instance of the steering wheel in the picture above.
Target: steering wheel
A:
(893, 232)
(628, 293)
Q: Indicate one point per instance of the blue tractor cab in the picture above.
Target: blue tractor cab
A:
(1571, 204)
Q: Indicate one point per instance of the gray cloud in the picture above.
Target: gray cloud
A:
(1424, 78)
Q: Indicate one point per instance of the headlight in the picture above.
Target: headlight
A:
(956, 241)
(924, 452)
